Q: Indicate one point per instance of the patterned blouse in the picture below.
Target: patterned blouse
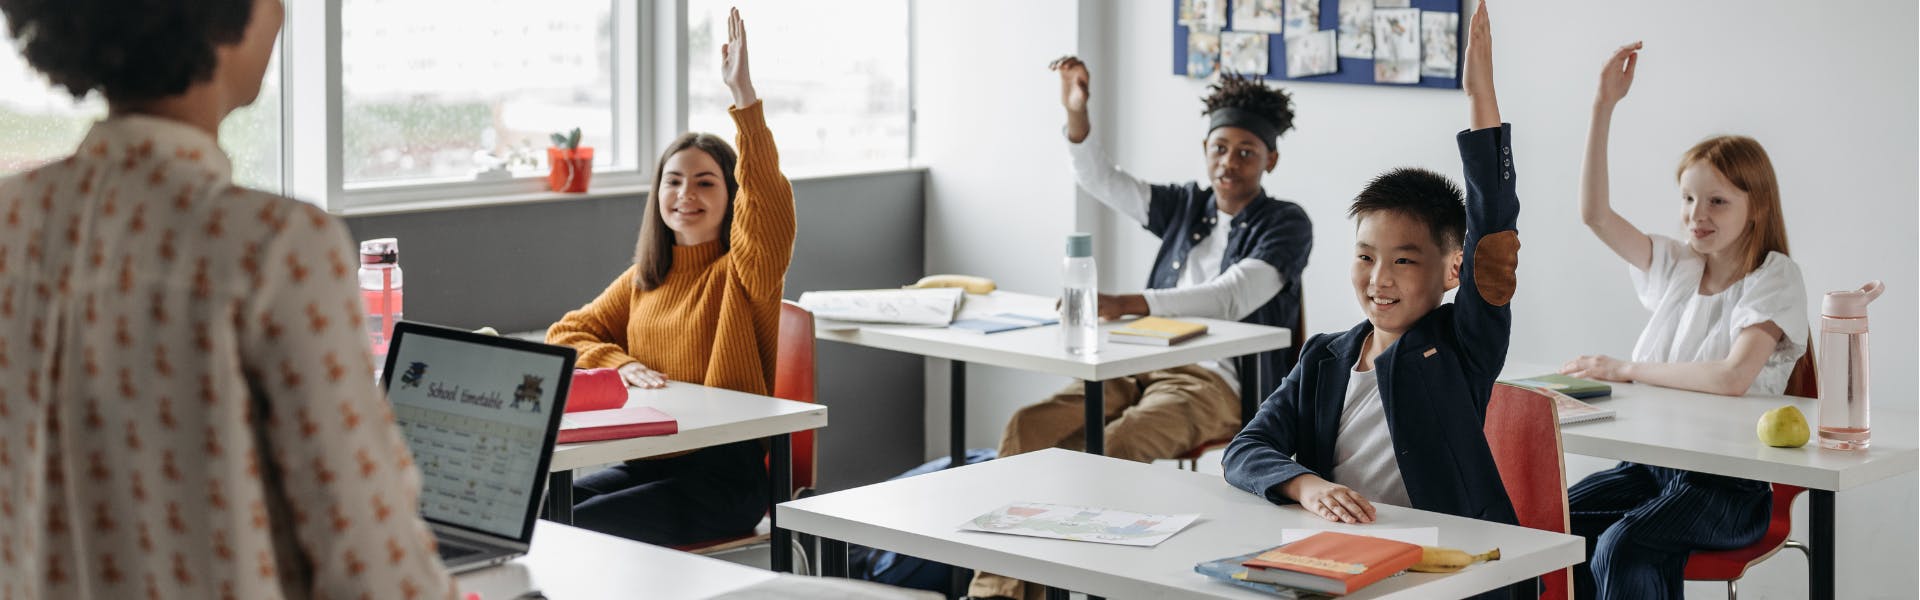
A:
(186, 397)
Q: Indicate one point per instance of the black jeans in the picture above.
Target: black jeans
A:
(710, 494)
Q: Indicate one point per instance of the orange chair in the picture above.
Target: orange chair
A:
(1191, 460)
(1731, 565)
(793, 379)
(1523, 431)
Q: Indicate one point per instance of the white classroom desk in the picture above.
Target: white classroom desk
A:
(921, 516)
(1710, 433)
(568, 563)
(1040, 350)
(707, 417)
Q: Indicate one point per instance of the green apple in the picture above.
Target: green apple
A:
(1783, 427)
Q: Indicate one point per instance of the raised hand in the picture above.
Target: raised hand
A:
(1073, 95)
(1617, 77)
(733, 62)
(1479, 70)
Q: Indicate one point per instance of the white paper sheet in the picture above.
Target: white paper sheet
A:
(1080, 523)
(1420, 536)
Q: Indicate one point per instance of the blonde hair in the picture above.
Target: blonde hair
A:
(1744, 163)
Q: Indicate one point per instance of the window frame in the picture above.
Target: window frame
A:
(313, 121)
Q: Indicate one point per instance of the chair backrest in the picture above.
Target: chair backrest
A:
(1523, 430)
(793, 379)
(1804, 381)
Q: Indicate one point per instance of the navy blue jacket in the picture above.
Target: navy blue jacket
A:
(1276, 232)
(1434, 382)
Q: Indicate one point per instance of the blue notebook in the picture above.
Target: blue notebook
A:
(1230, 570)
(1002, 322)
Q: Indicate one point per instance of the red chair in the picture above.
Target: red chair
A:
(793, 379)
(1191, 460)
(1523, 431)
(1731, 565)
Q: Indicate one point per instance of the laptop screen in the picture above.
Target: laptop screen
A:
(480, 414)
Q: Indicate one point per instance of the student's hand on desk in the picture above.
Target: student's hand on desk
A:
(1332, 501)
(638, 375)
(1601, 367)
(1114, 306)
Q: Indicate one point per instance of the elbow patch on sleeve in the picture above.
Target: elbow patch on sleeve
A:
(1495, 258)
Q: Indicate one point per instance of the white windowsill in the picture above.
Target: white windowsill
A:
(398, 208)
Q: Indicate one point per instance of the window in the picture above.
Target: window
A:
(447, 90)
(41, 123)
(833, 77)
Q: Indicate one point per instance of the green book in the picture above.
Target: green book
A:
(1571, 386)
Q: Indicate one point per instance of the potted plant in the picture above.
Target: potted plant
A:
(571, 165)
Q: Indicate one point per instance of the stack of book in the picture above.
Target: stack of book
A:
(1326, 563)
(1156, 331)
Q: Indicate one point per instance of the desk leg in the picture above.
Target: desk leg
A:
(1054, 593)
(1096, 421)
(560, 497)
(833, 558)
(957, 417)
(779, 489)
(1820, 549)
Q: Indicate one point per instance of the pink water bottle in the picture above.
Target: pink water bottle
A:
(1843, 367)
(380, 288)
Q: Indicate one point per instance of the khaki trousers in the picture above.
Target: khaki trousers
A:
(1150, 416)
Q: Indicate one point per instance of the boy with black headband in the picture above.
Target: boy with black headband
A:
(1391, 410)
(1227, 251)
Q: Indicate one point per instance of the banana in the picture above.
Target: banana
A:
(972, 284)
(1448, 560)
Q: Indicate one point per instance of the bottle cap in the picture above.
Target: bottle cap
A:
(380, 251)
(1080, 245)
(1851, 304)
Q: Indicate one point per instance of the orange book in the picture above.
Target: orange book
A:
(1332, 562)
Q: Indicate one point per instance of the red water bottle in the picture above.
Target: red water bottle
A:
(380, 288)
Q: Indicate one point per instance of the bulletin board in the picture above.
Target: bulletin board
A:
(1349, 70)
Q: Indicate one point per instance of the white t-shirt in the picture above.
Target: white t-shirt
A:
(1363, 457)
(1689, 327)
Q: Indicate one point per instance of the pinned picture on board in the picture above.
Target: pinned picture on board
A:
(1396, 45)
(1257, 15)
(1203, 15)
(1303, 16)
(1439, 39)
(1203, 53)
(1392, 3)
(1243, 52)
(1356, 29)
(1310, 54)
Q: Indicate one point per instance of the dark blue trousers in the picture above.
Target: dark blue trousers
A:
(1642, 521)
(710, 494)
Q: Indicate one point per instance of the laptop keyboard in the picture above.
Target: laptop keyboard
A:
(450, 552)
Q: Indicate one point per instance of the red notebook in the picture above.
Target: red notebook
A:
(1332, 562)
(614, 424)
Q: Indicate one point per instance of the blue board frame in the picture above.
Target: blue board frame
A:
(1352, 70)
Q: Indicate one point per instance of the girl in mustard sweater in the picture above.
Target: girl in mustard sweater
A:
(700, 304)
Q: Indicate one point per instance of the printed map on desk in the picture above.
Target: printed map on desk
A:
(1080, 524)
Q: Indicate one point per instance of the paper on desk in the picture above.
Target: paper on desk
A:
(979, 306)
(911, 307)
(1419, 536)
(1080, 523)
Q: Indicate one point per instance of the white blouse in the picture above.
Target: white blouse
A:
(1690, 327)
(187, 407)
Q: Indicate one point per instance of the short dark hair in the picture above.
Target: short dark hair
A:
(653, 254)
(1246, 93)
(127, 51)
(1426, 196)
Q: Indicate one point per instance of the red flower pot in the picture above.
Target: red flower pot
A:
(570, 169)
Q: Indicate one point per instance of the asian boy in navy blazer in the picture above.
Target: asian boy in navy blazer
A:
(1392, 409)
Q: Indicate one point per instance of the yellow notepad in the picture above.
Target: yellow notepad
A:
(1156, 331)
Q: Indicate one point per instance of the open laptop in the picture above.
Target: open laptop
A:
(480, 413)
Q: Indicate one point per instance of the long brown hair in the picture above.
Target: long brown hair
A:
(1744, 163)
(653, 255)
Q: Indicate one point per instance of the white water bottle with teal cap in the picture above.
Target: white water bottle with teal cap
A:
(1079, 315)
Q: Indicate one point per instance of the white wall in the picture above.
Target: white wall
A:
(1830, 93)
(1000, 196)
